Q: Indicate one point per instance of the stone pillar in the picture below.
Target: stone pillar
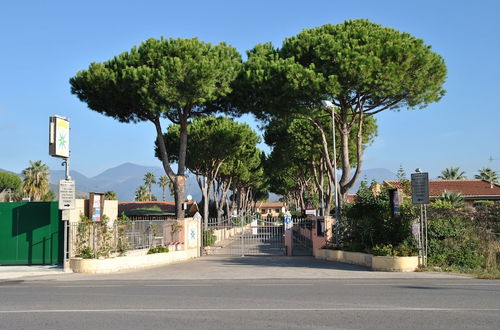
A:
(326, 236)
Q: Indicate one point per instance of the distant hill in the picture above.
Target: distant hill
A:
(124, 179)
(2, 170)
(368, 175)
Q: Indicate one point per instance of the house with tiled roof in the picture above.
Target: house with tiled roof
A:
(471, 190)
(270, 209)
(155, 210)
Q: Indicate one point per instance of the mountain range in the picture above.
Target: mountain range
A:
(124, 179)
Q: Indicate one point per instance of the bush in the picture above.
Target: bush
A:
(158, 249)
(454, 242)
(208, 237)
(464, 239)
(367, 222)
(404, 249)
(483, 203)
(382, 250)
(86, 253)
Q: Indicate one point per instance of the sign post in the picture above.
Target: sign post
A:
(420, 196)
(288, 220)
(59, 147)
(310, 209)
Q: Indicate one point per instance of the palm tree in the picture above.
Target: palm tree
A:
(163, 182)
(452, 173)
(149, 180)
(110, 195)
(487, 174)
(142, 194)
(454, 198)
(36, 180)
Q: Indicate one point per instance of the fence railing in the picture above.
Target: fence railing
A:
(94, 239)
(237, 221)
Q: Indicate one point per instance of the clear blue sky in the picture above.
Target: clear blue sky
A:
(44, 43)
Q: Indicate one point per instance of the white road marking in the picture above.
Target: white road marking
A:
(178, 285)
(422, 284)
(339, 309)
(282, 284)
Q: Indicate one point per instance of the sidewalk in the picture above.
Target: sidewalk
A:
(14, 272)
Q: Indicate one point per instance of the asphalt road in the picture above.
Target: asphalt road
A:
(149, 299)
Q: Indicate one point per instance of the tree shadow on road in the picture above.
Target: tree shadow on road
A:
(289, 262)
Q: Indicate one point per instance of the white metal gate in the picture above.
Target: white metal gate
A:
(244, 236)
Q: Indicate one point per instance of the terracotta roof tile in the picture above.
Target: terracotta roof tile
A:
(270, 204)
(464, 187)
(165, 206)
(349, 198)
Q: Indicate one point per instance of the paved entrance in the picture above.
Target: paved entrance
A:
(213, 268)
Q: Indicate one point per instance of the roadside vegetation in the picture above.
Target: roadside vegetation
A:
(461, 239)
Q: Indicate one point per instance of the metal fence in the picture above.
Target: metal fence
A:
(97, 238)
(237, 221)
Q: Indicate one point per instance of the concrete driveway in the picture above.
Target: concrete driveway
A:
(252, 268)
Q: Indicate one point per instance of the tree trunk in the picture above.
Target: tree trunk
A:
(346, 182)
(205, 189)
(319, 181)
(216, 189)
(178, 181)
(180, 193)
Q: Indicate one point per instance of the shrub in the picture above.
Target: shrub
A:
(367, 222)
(158, 249)
(86, 253)
(442, 204)
(404, 249)
(382, 250)
(208, 237)
(454, 242)
(483, 203)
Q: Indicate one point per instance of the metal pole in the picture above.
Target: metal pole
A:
(426, 243)
(422, 237)
(242, 236)
(66, 222)
(337, 213)
(65, 256)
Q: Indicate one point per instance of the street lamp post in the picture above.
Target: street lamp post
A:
(329, 104)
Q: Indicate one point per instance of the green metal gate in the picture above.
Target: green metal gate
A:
(31, 233)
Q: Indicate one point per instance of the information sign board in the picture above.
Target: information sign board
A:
(420, 188)
(66, 194)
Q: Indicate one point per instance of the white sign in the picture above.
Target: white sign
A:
(59, 137)
(420, 188)
(255, 228)
(288, 223)
(66, 195)
(415, 230)
(311, 212)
